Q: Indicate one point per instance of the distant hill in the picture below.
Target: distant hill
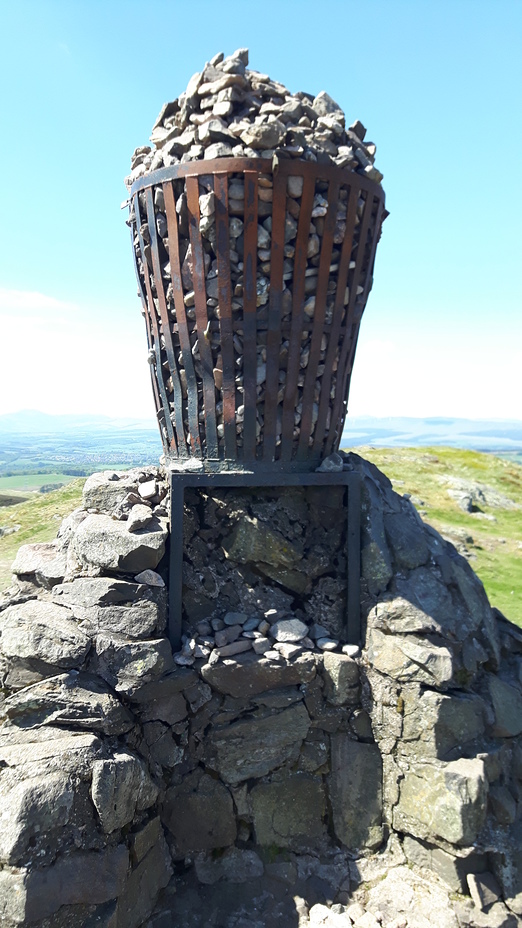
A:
(396, 431)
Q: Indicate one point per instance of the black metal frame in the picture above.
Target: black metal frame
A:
(178, 483)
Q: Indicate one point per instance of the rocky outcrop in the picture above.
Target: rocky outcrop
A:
(341, 788)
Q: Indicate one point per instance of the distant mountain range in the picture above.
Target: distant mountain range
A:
(394, 431)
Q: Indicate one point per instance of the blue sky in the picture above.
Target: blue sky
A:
(436, 83)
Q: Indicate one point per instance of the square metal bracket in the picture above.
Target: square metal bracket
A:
(178, 483)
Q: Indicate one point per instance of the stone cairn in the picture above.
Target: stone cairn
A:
(228, 111)
(284, 782)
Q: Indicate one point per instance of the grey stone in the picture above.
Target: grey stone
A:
(112, 605)
(479, 610)
(44, 632)
(324, 105)
(446, 801)
(453, 869)
(127, 665)
(89, 877)
(139, 517)
(143, 885)
(264, 135)
(409, 659)
(102, 542)
(49, 748)
(234, 866)
(71, 699)
(199, 815)
(502, 804)
(507, 706)
(289, 630)
(163, 748)
(437, 724)
(148, 489)
(150, 577)
(289, 812)
(250, 675)
(235, 618)
(327, 644)
(254, 540)
(45, 561)
(406, 540)
(35, 805)
(120, 787)
(341, 675)
(400, 616)
(235, 647)
(484, 889)
(254, 747)
(143, 837)
(425, 904)
(355, 789)
(105, 494)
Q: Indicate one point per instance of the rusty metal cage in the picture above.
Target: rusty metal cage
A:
(252, 337)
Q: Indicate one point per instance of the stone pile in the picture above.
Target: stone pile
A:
(301, 787)
(228, 111)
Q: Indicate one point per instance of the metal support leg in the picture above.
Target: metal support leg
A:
(177, 493)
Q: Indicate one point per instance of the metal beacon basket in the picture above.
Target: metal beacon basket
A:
(253, 276)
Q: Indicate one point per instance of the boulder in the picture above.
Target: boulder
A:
(355, 791)
(249, 675)
(199, 814)
(120, 787)
(445, 801)
(507, 706)
(289, 812)
(74, 699)
(110, 604)
(46, 562)
(31, 807)
(254, 747)
(41, 632)
(104, 543)
(409, 658)
(234, 866)
(406, 538)
(143, 885)
(341, 676)
(106, 491)
(437, 724)
(128, 665)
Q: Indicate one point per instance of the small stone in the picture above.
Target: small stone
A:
(289, 630)
(150, 577)
(327, 644)
(484, 889)
(237, 647)
(235, 618)
(288, 650)
(148, 489)
(295, 186)
(332, 464)
(139, 517)
(317, 631)
(352, 650)
(251, 624)
(261, 645)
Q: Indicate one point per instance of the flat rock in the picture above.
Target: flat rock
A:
(289, 630)
(102, 542)
(106, 491)
(31, 806)
(44, 632)
(409, 658)
(78, 700)
(254, 747)
(355, 791)
(45, 561)
(128, 665)
(199, 814)
(108, 604)
(341, 675)
(289, 812)
(446, 801)
(121, 786)
(251, 674)
(139, 517)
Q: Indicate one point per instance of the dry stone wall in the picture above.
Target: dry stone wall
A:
(287, 780)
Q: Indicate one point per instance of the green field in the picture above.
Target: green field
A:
(27, 483)
(495, 548)
(39, 519)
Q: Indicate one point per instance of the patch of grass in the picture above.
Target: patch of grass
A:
(31, 482)
(39, 519)
(496, 546)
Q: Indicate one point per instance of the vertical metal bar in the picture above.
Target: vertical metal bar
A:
(273, 344)
(155, 333)
(344, 359)
(181, 318)
(298, 299)
(176, 560)
(157, 401)
(225, 313)
(200, 293)
(249, 315)
(165, 325)
(353, 556)
(303, 450)
(333, 342)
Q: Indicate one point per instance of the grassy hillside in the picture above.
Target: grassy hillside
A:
(39, 519)
(491, 538)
